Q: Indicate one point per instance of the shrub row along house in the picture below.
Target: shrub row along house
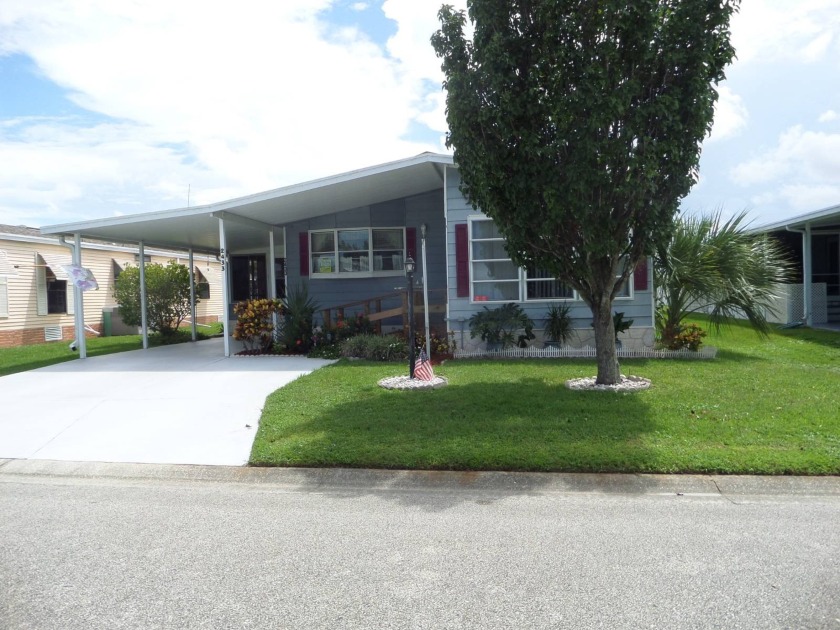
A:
(347, 237)
(37, 301)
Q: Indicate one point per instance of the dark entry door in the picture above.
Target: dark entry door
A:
(249, 280)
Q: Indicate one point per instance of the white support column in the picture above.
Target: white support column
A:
(272, 277)
(223, 258)
(807, 276)
(78, 298)
(144, 326)
(192, 293)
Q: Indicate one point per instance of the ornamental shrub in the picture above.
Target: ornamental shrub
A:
(255, 322)
(167, 296)
(374, 348)
(689, 336)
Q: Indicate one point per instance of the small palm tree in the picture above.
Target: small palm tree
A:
(717, 267)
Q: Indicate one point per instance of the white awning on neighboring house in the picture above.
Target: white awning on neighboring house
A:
(56, 264)
(6, 268)
(213, 276)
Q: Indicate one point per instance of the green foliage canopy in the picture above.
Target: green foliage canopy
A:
(167, 296)
(576, 126)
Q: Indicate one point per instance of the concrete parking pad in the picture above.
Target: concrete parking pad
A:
(180, 404)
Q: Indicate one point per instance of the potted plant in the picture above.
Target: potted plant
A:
(558, 326)
(497, 326)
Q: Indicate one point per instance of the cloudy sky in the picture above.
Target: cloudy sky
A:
(110, 107)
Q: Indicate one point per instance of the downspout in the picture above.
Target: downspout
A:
(446, 245)
(806, 271)
(78, 299)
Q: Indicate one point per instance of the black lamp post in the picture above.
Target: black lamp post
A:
(409, 272)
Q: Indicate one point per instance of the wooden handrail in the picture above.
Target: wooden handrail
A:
(372, 308)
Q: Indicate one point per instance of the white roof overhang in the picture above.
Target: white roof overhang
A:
(827, 218)
(198, 227)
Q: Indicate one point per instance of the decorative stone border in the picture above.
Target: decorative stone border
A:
(404, 382)
(627, 384)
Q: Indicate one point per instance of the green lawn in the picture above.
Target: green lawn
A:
(763, 406)
(22, 358)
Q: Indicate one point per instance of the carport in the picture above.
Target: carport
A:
(247, 223)
(179, 404)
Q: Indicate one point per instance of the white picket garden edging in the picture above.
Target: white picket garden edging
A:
(707, 352)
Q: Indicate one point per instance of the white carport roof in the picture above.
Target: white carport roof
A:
(198, 227)
(825, 218)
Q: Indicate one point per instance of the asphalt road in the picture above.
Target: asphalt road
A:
(97, 546)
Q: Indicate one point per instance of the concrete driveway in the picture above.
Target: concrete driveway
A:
(182, 404)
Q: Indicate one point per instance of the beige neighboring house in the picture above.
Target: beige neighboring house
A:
(36, 296)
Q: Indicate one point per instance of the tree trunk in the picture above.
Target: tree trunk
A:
(605, 352)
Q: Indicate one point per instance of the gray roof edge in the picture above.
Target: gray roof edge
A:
(422, 158)
(801, 219)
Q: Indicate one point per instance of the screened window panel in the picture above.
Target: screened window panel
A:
(353, 240)
(323, 241)
(485, 229)
(496, 291)
(500, 270)
(388, 239)
(548, 289)
(489, 250)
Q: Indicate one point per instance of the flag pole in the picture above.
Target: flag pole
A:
(425, 292)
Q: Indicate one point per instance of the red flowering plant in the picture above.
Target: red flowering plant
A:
(442, 346)
(255, 323)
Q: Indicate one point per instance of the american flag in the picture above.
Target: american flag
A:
(423, 367)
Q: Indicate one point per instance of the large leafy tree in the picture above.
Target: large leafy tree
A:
(717, 267)
(577, 125)
(167, 296)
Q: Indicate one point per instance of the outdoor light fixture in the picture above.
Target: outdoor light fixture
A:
(409, 272)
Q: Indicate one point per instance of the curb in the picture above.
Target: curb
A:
(353, 479)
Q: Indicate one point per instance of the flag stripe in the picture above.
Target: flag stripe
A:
(423, 367)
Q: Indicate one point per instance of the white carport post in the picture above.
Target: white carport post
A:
(272, 275)
(807, 275)
(225, 296)
(143, 321)
(192, 293)
(78, 298)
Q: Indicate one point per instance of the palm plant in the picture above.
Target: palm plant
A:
(719, 268)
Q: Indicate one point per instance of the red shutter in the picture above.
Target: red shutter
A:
(411, 244)
(640, 275)
(303, 239)
(462, 260)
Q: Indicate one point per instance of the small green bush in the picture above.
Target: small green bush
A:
(374, 348)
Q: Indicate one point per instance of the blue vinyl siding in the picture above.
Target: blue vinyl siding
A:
(404, 212)
(639, 308)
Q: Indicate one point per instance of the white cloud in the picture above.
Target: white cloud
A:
(731, 115)
(805, 198)
(260, 96)
(771, 30)
(803, 170)
(828, 116)
(359, 6)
